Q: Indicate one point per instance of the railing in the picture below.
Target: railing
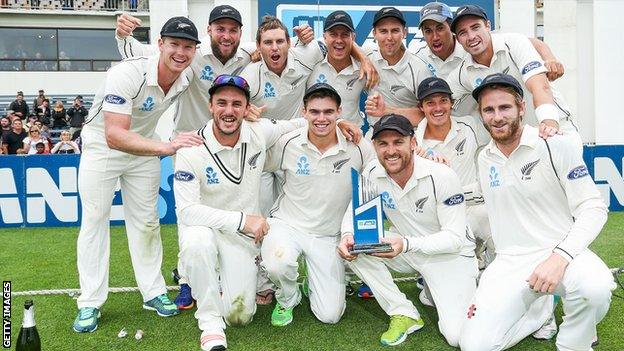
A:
(54, 65)
(81, 5)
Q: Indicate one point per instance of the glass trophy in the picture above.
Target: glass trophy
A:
(368, 226)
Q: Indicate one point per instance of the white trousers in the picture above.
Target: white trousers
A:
(505, 310)
(281, 249)
(139, 177)
(221, 270)
(450, 278)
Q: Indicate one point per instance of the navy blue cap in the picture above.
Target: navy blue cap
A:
(322, 87)
(432, 85)
(386, 12)
(498, 79)
(225, 11)
(338, 18)
(468, 10)
(180, 27)
(437, 11)
(397, 123)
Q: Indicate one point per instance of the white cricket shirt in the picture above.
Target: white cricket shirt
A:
(438, 67)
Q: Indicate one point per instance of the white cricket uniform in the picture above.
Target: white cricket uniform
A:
(131, 88)
(438, 67)
(215, 187)
(306, 219)
(460, 147)
(398, 84)
(430, 214)
(540, 199)
(513, 55)
(346, 83)
(192, 110)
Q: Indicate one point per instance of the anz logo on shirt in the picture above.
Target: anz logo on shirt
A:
(211, 176)
(148, 104)
(478, 82)
(494, 179)
(387, 201)
(269, 91)
(303, 166)
(207, 73)
(321, 79)
(432, 69)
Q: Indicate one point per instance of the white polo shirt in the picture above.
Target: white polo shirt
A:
(541, 197)
(429, 211)
(192, 111)
(438, 67)
(216, 185)
(514, 55)
(283, 95)
(346, 83)
(460, 147)
(131, 88)
(398, 83)
(316, 186)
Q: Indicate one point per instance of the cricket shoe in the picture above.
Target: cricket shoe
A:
(281, 316)
(175, 276)
(595, 341)
(213, 340)
(548, 330)
(400, 328)
(87, 320)
(424, 298)
(162, 305)
(420, 283)
(184, 300)
(349, 291)
(365, 292)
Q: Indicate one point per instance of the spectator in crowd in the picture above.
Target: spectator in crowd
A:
(43, 129)
(41, 150)
(5, 126)
(59, 116)
(65, 145)
(31, 141)
(12, 143)
(76, 114)
(44, 112)
(38, 101)
(64, 63)
(19, 106)
(30, 122)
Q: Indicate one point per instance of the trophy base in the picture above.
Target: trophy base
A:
(370, 248)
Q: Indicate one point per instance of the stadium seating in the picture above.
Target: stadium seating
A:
(67, 100)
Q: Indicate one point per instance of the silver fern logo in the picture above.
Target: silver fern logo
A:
(351, 83)
(338, 165)
(420, 204)
(527, 169)
(460, 147)
(253, 160)
(395, 89)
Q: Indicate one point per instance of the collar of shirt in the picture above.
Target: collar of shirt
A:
(353, 68)
(498, 45)
(303, 140)
(206, 50)
(151, 76)
(399, 67)
(215, 146)
(458, 53)
(420, 131)
(290, 66)
(529, 138)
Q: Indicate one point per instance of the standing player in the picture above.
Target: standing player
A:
(546, 181)
(316, 162)
(119, 146)
(424, 202)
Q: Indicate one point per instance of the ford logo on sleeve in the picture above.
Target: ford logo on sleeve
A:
(183, 176)
(455, 200)
(531, 66)
(578, 172)
(114, 99)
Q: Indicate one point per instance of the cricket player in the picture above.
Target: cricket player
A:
(119, 146)
(316, 161)
(424, 201)
(545, 211)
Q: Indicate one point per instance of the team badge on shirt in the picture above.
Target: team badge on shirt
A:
(207, 73)
(388, 201)
(460, 147)
(211, 176)
(394, 89)
(269, 91)
(321, 78)
(494, 178)
(420, 204)
(527, 169)
(477, 82)
(351, 83)
(253, 160)
(338, 165)
(303, 166)
(578, 172)
(148, 104)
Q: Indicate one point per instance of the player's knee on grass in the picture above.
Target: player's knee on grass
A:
(596, 293)
(278, 262)
(475, 341)
(240, 312)
(329, 315)
(450, 333)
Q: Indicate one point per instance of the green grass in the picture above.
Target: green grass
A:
(44, 258)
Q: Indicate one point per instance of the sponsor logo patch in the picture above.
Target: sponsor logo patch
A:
(303, 166)
(183, 176)
(114, 99)
(494, 179)
(578, 172)
(531, 66)
(528, 168)
(388, 201)
(364, 224)
(454, 200)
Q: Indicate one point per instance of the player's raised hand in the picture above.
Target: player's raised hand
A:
(255, 113)
(126, 24)
(555, 69)
(548, 128)
(257, 226)
(305, 33)
(350, 131)
(548, 274)
(375, 105)
(367, 69)
(397, 247)
(346, 243)
(186, 139)
(256, 56)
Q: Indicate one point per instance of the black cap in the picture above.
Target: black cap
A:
(338, 18)
(322, 87)
(398, 123)
(437, 11)
(432, 85)
(225, 11)
(180, 27)
(20, 93)
(467, 10)
(386, 12)
(41, 91)
(226, 80)
(498, 79)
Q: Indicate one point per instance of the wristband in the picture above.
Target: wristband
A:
(406, 245)
(547, 111)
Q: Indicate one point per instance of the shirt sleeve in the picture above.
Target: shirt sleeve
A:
(274, 129)
(130, 47)
(451, 210)
(120, 87)
(464, 103)
(189, 209)
(584, 200)
(274, 156)
(311, 54)
(346, 227)
(524, 55)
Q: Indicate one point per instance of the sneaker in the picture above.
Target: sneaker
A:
(420, 283)
(281, 316)
(162, 305)
(184, 300)
(176, 276)
(400, 328)
(349, 291)
(213, 340)
(424, 299)
(365, 292)
(595, 341)
(548, 330)
(87, 320)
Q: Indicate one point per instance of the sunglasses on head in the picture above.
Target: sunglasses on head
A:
(228, 79)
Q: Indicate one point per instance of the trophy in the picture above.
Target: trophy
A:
(368, 226)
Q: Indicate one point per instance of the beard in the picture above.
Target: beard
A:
(216, 51)
(509, 135)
